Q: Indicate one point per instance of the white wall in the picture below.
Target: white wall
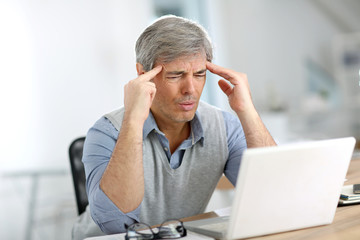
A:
(64, 66)
(270, 41)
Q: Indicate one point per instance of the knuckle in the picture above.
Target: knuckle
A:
(243, 75)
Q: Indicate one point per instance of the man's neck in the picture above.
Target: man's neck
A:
(175, 132)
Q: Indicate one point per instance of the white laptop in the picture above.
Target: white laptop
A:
(283, 188)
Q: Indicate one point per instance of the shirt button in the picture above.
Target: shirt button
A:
(166, 149)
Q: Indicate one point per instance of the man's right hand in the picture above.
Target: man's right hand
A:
(139, 94)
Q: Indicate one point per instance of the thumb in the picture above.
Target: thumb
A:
(225, 87)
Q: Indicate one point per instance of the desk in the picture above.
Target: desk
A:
(346, 224)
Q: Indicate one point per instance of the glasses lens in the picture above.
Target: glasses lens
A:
(139, 231)
(171, 229)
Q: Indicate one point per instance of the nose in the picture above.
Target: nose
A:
(188, 86)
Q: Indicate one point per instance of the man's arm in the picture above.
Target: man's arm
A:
(98, 147)
(123, 179)
(240, 101)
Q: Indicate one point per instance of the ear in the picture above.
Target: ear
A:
(139, 69)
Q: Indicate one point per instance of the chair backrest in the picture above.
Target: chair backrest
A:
(78, 173)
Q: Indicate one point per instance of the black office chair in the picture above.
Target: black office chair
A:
(78, 173)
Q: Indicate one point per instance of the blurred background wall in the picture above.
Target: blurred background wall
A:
(63, 64)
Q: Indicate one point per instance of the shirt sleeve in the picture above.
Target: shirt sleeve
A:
(236, 146)
(99, 144)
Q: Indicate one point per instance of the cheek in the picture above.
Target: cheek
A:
(165, 91)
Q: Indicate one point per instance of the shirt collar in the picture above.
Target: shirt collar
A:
(150, 125)
(196, 128)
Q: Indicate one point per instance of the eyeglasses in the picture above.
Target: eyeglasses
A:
(170, 229)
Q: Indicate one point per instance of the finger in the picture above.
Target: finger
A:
(147, 76)
(150, 85)
(221, 71)
(225, 87)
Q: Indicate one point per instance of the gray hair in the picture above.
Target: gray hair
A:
(171, 37)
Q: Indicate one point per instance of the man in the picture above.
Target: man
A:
(161, 155)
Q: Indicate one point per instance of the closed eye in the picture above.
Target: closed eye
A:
(200, 75)
(174, 77)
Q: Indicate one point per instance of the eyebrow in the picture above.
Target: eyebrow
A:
(182, 72)
(174, 72)
(201, 71)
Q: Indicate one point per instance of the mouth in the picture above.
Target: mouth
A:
(187, 105)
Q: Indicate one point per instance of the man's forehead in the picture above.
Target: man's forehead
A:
(194, 62)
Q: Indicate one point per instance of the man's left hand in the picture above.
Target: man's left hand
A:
(239, 94)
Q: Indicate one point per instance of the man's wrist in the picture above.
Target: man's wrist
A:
(249, 114)
(132, 119)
